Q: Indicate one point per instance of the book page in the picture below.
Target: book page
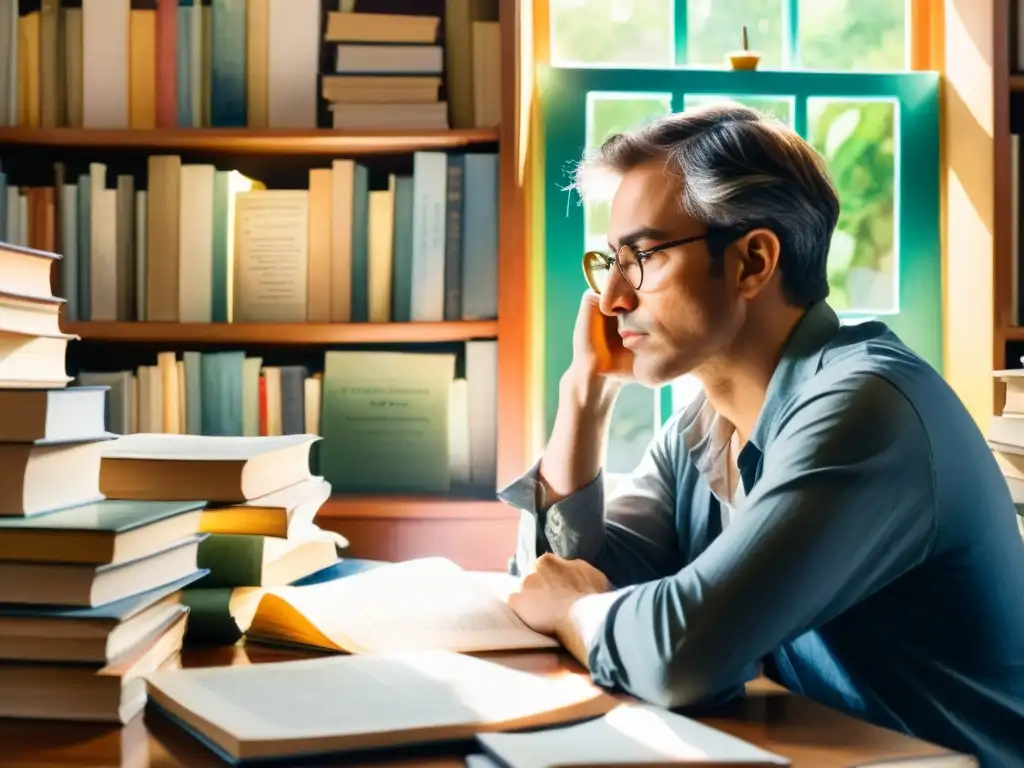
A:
(286, 707)
(631, 734)
(428, 603)
(198, 447)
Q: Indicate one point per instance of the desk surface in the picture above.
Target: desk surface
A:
(807, 733)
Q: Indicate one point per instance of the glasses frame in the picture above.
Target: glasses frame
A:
(641, 257)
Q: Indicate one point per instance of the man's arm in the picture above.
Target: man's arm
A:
(630, 538)
(845, 504)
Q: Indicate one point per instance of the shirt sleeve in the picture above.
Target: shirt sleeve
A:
(844, 505)
(630, 538)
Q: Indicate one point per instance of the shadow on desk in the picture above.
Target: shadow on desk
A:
(809, 734)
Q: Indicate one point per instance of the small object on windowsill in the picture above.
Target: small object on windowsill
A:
(746, 59)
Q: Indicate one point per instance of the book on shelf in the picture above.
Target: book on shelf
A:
(191, 242)
(445, 697)
(116, 64)
(422, 604)
(389, 422)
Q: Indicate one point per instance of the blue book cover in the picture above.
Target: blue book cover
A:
(84, 235)
(222, 383)
(219, 277)
(480, 238)
(228, 85)
(187, 19)
(401, 290)
(361, 245)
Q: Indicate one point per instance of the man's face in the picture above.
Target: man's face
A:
(685, 312)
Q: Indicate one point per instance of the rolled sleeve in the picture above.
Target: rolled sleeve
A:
(570, 528)
(844, 505)
(630, 536)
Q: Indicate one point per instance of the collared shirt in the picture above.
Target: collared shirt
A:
(874, 563)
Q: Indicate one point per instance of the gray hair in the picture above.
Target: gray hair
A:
(739, 170)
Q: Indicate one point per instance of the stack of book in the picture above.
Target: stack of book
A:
(387, 71)
(258, 521)
(90, 597)
(1006, 438)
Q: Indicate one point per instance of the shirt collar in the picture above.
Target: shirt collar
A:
(801, 359)
(706, 434)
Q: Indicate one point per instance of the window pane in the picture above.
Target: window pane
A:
(858, 140)
(779, 107)
(714, 28)
(618, 32)
(632, 428)
(609, 113)
(684, 390)
(853, 35)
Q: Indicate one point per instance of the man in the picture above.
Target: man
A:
(826, 510)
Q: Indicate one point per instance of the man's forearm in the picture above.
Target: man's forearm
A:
(574, 453)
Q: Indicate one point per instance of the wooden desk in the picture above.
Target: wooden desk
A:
(811, 735)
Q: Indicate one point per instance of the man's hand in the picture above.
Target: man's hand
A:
(596, 345)
(548, 594)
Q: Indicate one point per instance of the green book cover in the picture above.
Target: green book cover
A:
(385, 422)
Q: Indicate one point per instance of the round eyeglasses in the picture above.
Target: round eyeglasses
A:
(597, 266)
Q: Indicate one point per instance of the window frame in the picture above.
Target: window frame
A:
(564, 101)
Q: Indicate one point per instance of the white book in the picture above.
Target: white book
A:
(102, 248)
(344, 703)
(343, 174)
(141, 220)
(430, 199)
(195, 244)
(381, 226)
(271, 256)
(69, 243)
(105, 25)
(630, 734)
(293, 55)
(15, 236)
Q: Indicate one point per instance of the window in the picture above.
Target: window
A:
(834, 70)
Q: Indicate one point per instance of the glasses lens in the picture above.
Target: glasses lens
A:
(596, 267)
(630, 266)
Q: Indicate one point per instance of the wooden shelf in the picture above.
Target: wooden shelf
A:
(1016, 82)
(283, 333)
(245, 140)
(1013, 333)
(415, 508)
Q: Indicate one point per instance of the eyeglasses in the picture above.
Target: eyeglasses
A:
(597, 266)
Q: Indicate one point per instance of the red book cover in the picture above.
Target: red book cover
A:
(263, 405)
(167, 64)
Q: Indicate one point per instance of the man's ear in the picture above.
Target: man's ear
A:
(757, 255)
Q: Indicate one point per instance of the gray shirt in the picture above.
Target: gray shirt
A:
(874, 563)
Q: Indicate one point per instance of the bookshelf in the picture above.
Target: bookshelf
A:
(283, 333)
(244, 140)
(477, 533)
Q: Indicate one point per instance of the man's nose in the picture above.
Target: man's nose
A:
(618, 296)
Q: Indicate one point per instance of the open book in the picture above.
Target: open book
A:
(348, 703)
(630, 734)
(429, 603)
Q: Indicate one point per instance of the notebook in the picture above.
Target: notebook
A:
(338, 704)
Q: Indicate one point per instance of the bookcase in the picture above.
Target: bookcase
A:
(477, 532)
